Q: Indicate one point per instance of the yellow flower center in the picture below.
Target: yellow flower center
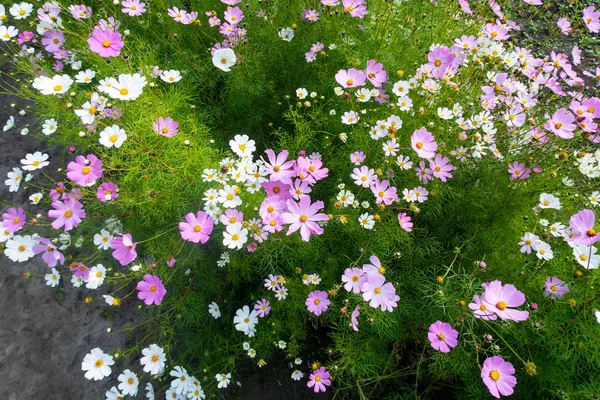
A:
(495, 375)
(16, 220)
(22, 248)
(105, 43)
(419, 145)
(235, 236)
(113, 138)
(303, 218)
(86, 170)
(377, 290)
(98, 363)
(441, 336)
(124, 91)
(197, 228)
(130, 381)
(229, 196)
(317, 378)
(57, 88)
(501, 305)
(591, 232)
(317, 302)
(68, 213)
(153, 288)
(93, 110)
(437, 63)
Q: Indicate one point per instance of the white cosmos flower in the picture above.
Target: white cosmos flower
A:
(171, 76)
(10, 123)
(20, 248)
(34, 161)
(224, 59)
(286, 34)
(85, 76)
(8, 32)
(21, 10)
(35, 198)
(112, 136)
(297, 375)
(14, 179)
(182, 381)
(97, 364)
(96, 277)
(125, 87)
(58, 84)
(153, 360)
(49, 126)
(129, 383)
(114, 394)
(586, 256)
(242, 145)
(214, 310)
(223, 380)
(103, 239)
(235, 236)
(245, 320)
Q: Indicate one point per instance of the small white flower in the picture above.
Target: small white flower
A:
(366, 221)
(97, 364)
(286, 34)
(171, 76)
(53, 278)
(223, 380)
(224, 59)
(297, 375)
(214, 310)
(129, 383)
(112, 136)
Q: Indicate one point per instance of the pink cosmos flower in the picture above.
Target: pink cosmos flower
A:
(591, 18)
(464, 4)
(106, 43)
(442, 336)
(53, 40)
(441, 168)
(364, 176)
(197, 228)
(495, 31)
(562, 124)
(501, 298)
(383, 192)
(124, 249)
(564, 25)
(232, 216)
(311, 170)
(498, 376)
(278, 167)
(151, 290)
(310, 15)
(25, 37)
(373, 269)
(380, 294)
(85, 170)
(528, 242)
(81, 11)
(480, 310)
(107, 191)
(423, 173)
(350, 78)
(68, 213)
(299, 189)
(357, 157)
(439, 60)
(51, 256)
(303, 216)
(80, 271)
(317, 302)
(262, 307)
(133, 8)
(518, 171)
(319, 379)
(423, 143)
(234, 15)
(177, 14)
(555, 287)
(279, 189)
(271, 205)
(405, 222)
(13, 219)
(166, 127)
(582, 225)
(375, 73)
(353, 279)
(354, 318)
(356, 8)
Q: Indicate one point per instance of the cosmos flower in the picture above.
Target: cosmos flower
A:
(317, 302)
(151, 290)
(498, 376)
(442, 336)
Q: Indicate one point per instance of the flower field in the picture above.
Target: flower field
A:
(384, 199)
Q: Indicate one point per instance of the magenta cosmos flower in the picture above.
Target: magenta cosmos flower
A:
(591, 18)
(51, 255)
(85, 170)
(197, 228)
(423, 143)
(317, 302)
(439, 60)
(106, 43)
(25, 37)
(501, 299)
(151, 290)
(405, 222)
(442, 336)
(68, 213)
(562, 124)
(303, 216)
(498, 376)
(319, 379)
(124, 248)
(555, 287)
(13, 219)
(582, 224)
(375, 73)
(380, 294)
(166, 127)
(351, 78)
